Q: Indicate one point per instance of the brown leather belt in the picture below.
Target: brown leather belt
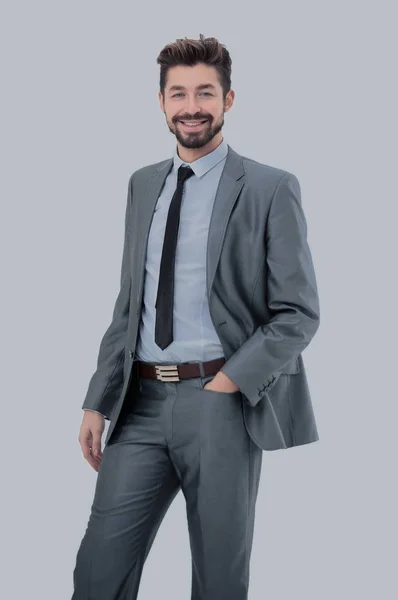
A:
(179, 371)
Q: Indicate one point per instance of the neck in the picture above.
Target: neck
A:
(190, 154)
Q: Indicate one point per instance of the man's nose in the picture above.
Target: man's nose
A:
(192, 107)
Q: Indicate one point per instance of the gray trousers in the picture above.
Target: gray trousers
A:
(174, 435)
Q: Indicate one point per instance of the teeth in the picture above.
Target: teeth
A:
(192, 123)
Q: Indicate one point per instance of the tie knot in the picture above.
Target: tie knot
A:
(184, 172)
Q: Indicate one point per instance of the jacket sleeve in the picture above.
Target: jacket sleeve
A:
(107, 381)
(292, 298)
(96, 411)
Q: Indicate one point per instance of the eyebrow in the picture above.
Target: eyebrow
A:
(202, 86)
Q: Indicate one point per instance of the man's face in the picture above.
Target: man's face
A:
(194, 94)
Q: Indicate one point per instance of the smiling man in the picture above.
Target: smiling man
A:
(200, 369)
(199, 133)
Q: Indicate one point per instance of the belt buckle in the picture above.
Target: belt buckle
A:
(167, 373)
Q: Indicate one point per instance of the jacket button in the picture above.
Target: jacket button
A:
(131, 353)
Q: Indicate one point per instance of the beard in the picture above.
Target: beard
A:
(196, 139)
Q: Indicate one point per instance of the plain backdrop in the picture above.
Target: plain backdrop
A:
(316, 96)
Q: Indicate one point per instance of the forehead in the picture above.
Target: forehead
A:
(199, 76)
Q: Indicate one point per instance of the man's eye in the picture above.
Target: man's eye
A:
(180, 93)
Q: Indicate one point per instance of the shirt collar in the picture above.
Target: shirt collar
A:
(201, 165)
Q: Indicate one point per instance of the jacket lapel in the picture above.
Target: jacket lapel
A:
(231, 182)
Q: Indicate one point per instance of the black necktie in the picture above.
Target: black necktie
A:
(165, 295)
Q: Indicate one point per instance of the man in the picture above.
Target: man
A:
(200, 369)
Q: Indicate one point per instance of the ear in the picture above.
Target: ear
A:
(229, 100)
(161, 101)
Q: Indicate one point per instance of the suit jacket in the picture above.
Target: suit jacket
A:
(262, 295)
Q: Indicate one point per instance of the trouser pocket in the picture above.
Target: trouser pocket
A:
(206, 379)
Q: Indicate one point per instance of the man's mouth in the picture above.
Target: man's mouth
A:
(193, 124)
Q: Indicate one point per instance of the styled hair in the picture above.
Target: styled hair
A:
(191, 52)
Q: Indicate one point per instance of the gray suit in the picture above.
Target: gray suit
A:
(261, 290)
(167, 436)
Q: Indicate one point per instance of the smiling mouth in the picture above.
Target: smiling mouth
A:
(194, 126)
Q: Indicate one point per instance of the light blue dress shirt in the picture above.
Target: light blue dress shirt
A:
(195, 338)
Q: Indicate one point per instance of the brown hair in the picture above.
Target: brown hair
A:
(191, 52)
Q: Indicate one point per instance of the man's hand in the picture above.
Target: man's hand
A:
(221, 383)
(90, 434)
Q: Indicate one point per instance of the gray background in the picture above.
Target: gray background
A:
(315, 95)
